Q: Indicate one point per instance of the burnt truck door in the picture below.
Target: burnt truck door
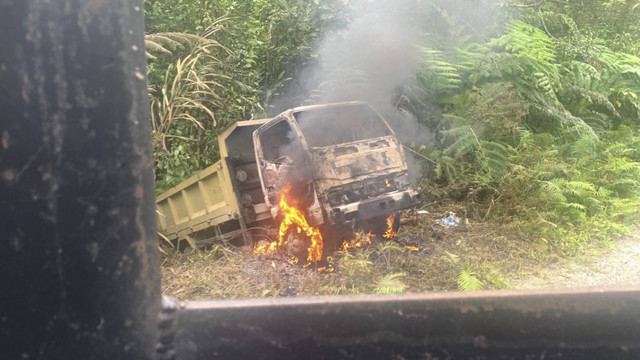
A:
(281, 158)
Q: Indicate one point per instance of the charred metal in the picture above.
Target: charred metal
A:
(344, 159)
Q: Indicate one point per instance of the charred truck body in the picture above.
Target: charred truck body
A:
(344, 164)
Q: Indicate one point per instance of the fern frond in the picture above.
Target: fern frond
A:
(437, 74)
(597, 121)
(391, 284)
(526, 40)
(468, 280)
(576, 206)
(388, 245)
(625, 208)
(552, 191)
(583, 147)
(594, 98)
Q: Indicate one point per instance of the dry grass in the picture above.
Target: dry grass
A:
(496, 253)
(190, 89)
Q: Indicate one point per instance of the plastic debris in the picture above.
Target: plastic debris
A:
(450, 221)
(422, 212)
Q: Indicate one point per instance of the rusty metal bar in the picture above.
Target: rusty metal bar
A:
(77, 221)
(591, 324)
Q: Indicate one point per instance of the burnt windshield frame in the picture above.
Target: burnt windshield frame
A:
(274, 138)
(340, 124)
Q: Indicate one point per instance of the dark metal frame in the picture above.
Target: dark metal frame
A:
(545, 324)
(79, 266)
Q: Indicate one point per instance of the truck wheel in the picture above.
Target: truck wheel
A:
(298, 245)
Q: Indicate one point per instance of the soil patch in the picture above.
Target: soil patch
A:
(615, 265)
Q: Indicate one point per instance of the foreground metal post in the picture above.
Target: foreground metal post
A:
(79, 266)
(584, 324)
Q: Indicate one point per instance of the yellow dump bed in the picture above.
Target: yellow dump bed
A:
(204, 200)
(211, 197)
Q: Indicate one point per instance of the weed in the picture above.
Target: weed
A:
(468, 280)
(390, 284)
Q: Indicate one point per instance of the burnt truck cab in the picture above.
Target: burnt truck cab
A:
(343, 159)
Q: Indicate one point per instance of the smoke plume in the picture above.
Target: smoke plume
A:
(373, 59)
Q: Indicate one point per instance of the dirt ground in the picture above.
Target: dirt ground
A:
(618, 265)
(425, 257)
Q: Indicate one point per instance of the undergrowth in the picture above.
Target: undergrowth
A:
(493, 255)
(537, 134)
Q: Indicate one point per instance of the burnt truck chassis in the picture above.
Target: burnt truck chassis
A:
(345, 185)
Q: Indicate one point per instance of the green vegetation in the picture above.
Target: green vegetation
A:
(539, 125)
(468, 280)
(245, 52)
(468, 258)
(533, 107)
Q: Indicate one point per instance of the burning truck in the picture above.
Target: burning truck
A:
(303, 181)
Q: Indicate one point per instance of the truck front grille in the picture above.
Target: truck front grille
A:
(367, 189)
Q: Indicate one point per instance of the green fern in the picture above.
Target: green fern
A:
(494, 160)
(391, 283)
(597, 121)
(529, 41)
(388, 245)
(355, 264)
(438, 75)
(491, 158)
(468, 280)
(625, 209)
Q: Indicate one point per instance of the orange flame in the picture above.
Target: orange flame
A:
(358, 242)
(293, 219)
(361, 240)
(328, 269)
(265, 249)
(390, 234)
